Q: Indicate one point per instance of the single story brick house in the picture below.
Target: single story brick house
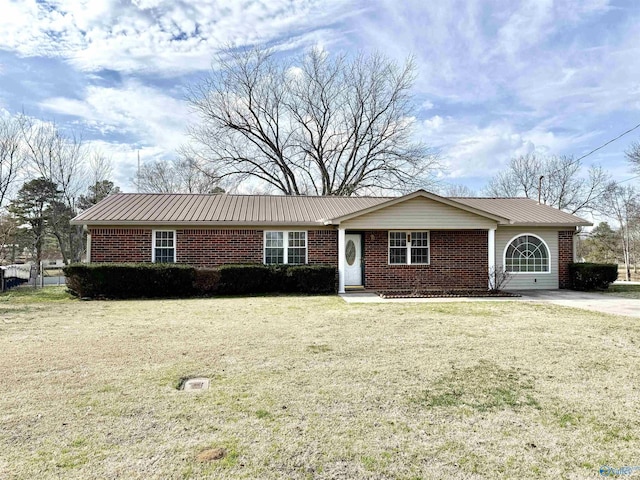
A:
(416, 240)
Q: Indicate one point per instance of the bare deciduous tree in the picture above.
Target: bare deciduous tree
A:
(320, 125)
(11, 155)
(62, 160)
(56, 156)
(562, 185)
(99, 167)
(633, 155)
(9, 238)
(623, 204)
(456, 190)
(180, 175)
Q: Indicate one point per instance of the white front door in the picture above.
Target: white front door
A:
(353, 260)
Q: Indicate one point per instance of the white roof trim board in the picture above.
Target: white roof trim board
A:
(151, 209)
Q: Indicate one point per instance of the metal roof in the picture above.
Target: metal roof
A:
(230, 210)
(524, 211)
(188, 209)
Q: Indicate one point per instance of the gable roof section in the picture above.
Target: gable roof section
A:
(420, 193)
(237, 210)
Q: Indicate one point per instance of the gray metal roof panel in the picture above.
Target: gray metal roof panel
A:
(279, 209)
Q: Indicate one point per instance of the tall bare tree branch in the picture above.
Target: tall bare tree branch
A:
(313, 125)
(180, 175)
(633, 156)
(563, 186)
(623, 204)
(11, 155)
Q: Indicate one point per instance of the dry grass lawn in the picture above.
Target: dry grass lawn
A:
(311, 387)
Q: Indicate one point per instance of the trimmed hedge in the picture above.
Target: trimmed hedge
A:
(130, 280)
(245, 279)
(206, 281)
(592, 276)
(158, 280)
(320, 279)
(256, 278)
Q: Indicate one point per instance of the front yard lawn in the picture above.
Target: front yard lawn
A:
(311, 387)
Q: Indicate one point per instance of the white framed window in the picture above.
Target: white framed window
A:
(409, 248)
(527, 253)
(288, 247)
(164, 246)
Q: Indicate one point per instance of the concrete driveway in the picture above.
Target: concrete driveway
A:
(597, 302)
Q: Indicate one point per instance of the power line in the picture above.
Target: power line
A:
(626, 180)
(610, 141)
(572, 162)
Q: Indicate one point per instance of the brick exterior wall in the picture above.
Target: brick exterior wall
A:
(565, 257)
(204, 247)
(458, 260)
(323, 247)
(211, 248)
(120, 245)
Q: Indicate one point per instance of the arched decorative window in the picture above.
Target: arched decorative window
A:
(527, 254)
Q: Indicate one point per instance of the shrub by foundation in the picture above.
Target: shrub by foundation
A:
(245, 279)
(163, 280)
(206, 281)
(130, 280)
(592, 276)
(321, 279)
(256, 278)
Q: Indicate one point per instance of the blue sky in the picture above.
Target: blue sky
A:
(495, 78)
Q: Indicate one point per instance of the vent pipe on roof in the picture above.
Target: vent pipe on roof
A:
(540, 188)
(138, 179)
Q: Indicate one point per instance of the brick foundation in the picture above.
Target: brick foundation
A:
(565, 257)
(458, 260)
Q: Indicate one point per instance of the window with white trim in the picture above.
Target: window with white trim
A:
(409, 248)
(285, 247)
(527, 254)
(164, 246)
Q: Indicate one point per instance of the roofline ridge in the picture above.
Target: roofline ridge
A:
(255, 195)
(496, 198)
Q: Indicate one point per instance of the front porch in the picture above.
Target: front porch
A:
(421, 260)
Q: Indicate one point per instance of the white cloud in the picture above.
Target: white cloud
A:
(433, 124)
(152, 117)
(495, 79)
(124, 160)
(168, 37)
(470, 151)
(426, 105)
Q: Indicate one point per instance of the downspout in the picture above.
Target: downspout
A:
(88, 257)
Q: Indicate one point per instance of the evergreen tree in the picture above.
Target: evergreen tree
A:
(31, 208)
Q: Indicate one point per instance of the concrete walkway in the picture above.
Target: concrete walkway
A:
(598, 302)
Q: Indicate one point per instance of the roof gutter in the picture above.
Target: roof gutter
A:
(152, 223)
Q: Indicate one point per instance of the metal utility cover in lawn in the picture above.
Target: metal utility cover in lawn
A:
(196, 384)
